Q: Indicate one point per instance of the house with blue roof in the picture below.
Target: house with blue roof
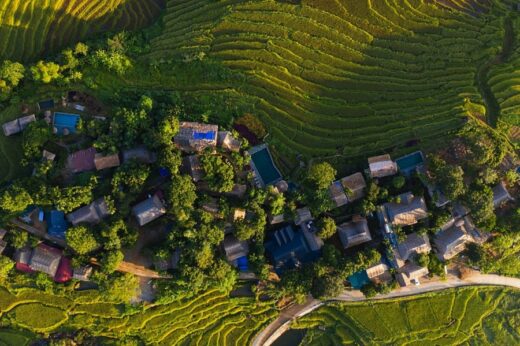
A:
(289, 247)
(56, 224)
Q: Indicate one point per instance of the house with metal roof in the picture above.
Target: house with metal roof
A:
(288, 248)
(56, 224)
(379, 273)
(303, 215)
(452, 240)
(192, 166)
(81, 161)
(140, 154)
(149, 210)
(408, 211)
(18, 125)
(91, 214)
(411, 273)
(348, 189)
(195, 137)
(45, 259)
(354, 232)
(381, 166)
(236, 250)
(226, 141)
(413, 245)
(106, 161)
(500, 195)
(82, 273)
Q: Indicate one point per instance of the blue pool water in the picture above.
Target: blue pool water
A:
(65, 121)
(408, 163)
(265, 166)
(204, 135)
(359, 279)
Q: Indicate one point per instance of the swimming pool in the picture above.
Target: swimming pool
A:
(64, 121)
(409, 162)
(263, 164)
(359, 279)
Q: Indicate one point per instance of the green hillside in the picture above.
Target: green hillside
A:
(471, 315)
(347, 76)
(211, 318)
(30, 28)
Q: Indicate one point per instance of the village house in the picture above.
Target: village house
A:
(354, 232)
(82, 273)
(381, 166)
(348, 189)
(56, 224)
(452, 239)
(149, 210)
(91, 214)
(239, 214)
(379, 273)
(236, 252)
(195, 137)
(408, 211)
(104, 162)
(411, 273)
(226, 141)
(18, 125)
(500, 195)
(414, 244)
(289, 248)
(140, 154)
(238, 191)
(192, 166)
(302, 215)
(45, 259)
(81, 161)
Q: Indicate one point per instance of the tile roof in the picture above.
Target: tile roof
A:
(354, 232)
(82, 161)
(92, 213)
(408, 211)
(104, 162)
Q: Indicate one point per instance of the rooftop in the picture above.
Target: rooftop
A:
(234, 248)
(149, 210)
(414, 244)
(194, 137)
(354, 232)
(91, 214)
(500, 194)
(226, 140)
(18, 125)
(81, 161)
(103, 162)
(408, 211)
(381, 166)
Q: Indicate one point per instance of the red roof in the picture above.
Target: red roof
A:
(23, 267)
(64, 272)
(82, 161)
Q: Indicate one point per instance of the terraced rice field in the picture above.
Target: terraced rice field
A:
(350, 77)
(211, 318)
(30, 28)
(454, 317)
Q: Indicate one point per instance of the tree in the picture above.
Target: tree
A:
(34, 137)
(512, 177)
(81, 240)
(130, 177)
(220, 174)
(326, 227)
(321, 175)
(398, 182)
(110, 260)
(11, 73)
(369, 290)
(276, 202)
(112, 61)
(170, 158)
(224, 275)
(296, 284)
(168, 127)
(14, 200)
(180, 197)
(45, 72)
(422, 260)
(146, 103)
(18, 238)
(121, 288)
(70, 198)
(204, 256)
(129, 126)
(450, 178)
(328, 286)
(6, 266)
(81, 49)
(479, 199)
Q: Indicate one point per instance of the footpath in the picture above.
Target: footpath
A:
(276, 328)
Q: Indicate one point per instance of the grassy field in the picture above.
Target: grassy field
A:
(211, 318)
(344, 77)
(30, 28)
(453, 317)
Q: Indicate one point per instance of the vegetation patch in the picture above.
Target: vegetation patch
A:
(37, 316)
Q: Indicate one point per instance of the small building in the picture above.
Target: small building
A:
(302, 215)
(82, 161)
(282, 186)
(379, 273)
(22, 257)
(149, 210)
(56, 224)
(91, 214)
(45, 105)
(234, 249)
(238, 191)
(239, 214)
(104, 162)
(500, 195)
(226, 141)
(45, 259)
(18, 125)
(287, 248)
(381, 166)
(354, 232)
(452, 240)
(348, 189)
(276, 219)
(408, 211)
(411, 273)
(211, 205)
(191, 165)
(337, 194)
(195, 137)
(140, 154)
(48, 156)
(413, 245)
(82, 273)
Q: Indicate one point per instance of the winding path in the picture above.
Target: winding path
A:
(276, 328)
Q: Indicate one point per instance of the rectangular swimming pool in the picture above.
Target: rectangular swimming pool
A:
(263, 164)
(359, 279)
(409, 162)
(64, 121)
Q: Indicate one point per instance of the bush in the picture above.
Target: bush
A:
(253, 124)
